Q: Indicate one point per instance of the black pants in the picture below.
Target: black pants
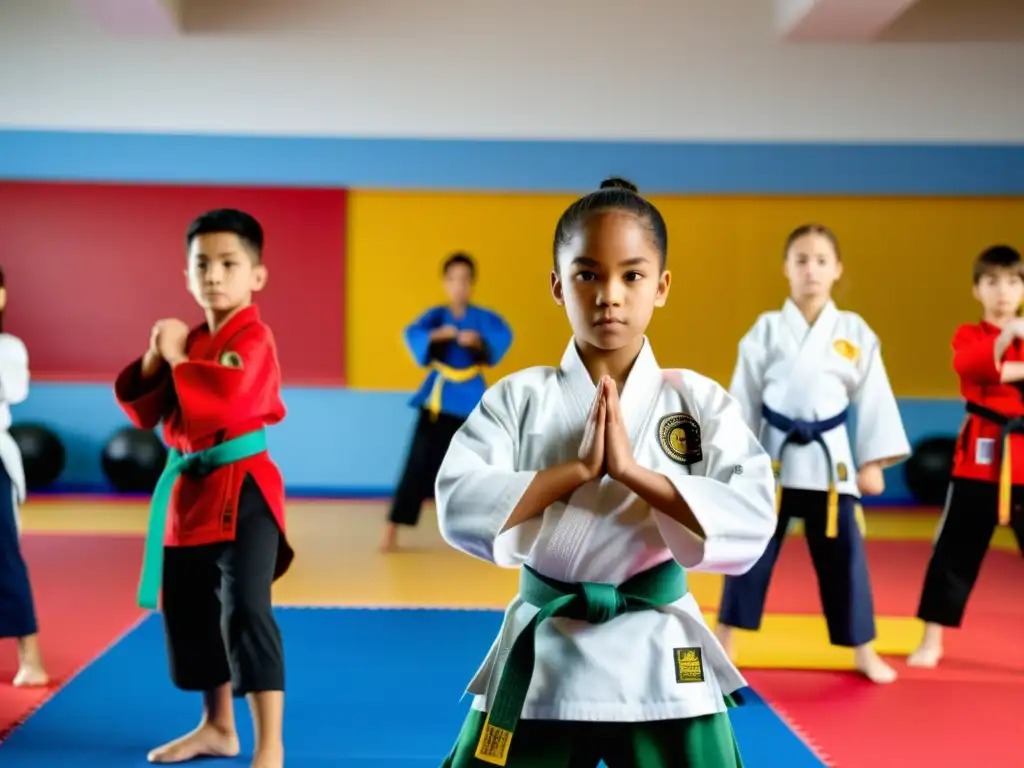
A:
(17, 610)
(965, 531)
(841, 564)
(217, 611)
(429, 445)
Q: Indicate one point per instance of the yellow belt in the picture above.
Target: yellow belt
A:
(1005, 482)
(445, 373)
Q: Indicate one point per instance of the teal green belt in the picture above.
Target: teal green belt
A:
(595, 603)
(179, 464)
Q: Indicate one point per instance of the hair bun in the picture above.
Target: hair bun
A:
(616, 182)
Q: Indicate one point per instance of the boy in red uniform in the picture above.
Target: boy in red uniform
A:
(988, 467)
(215, 388)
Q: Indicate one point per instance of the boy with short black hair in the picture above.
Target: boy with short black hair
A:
(215, 388)
(987, 487)
(455, 343)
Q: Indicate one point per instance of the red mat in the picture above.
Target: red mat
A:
(897, 571)
(963, 713)
(85, 599)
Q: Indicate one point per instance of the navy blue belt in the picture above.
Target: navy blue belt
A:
(801, 432)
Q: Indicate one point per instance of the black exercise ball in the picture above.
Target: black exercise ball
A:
(42, 453)
(928, 470)
(133, 460)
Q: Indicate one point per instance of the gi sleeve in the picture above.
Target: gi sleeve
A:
(14, 374)
(417, 335)
(145, 402)
(242, 385)
(880, 435)
(748, 379)
(496, 336)
(478, 486)
(974, 356)
(731, 491)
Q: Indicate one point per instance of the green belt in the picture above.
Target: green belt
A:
(592, 602)
(179, 464)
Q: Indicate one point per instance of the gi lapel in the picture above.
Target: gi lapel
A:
(812, 344)
(637, 396)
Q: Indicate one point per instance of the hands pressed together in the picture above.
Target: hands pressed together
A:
(166, 344)
(450, 333)
(605, 448)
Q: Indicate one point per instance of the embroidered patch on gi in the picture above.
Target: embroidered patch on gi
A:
(738, 469)
(679, 435)
(231, 360)
(984, 451)
(841, 472)
(689, 665)
(846, 349)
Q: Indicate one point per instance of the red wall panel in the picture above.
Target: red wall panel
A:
(90, 267)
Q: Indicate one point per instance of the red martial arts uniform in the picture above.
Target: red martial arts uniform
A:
(987, 485)
(979, 449)
(225, 542)
(229, 386)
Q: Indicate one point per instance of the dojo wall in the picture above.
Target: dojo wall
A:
(740, 138)
(908, 263)
(908, 273)
(91, 266)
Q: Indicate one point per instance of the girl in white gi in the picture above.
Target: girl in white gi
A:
(798, 373)
(17, 611)
(602, 479)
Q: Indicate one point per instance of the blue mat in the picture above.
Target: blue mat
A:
(352, 674)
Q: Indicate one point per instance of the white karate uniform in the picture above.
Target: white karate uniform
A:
(622, 670)
(14, 378)
(814, 372)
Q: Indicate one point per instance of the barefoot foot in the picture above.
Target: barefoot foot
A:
(929, 652)
(269, 757)
(926, 655)
(31, 676)
(872, 666)
(205, 741)
(389, 541)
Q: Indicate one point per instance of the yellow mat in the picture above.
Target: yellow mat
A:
(801, 642)
(338, 565)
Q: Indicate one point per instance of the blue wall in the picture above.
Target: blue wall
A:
(334, 441)
(349, 442)
(705, 168)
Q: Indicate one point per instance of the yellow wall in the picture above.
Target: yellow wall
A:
(908, 272)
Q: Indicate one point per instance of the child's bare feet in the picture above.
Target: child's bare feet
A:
(872, 666)
(31, 676)
(269, 757)
(31, 671)
(389, 541)
(925, 656)
(205, 741)
(929, 652)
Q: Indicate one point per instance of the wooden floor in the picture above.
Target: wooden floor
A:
(338, 562)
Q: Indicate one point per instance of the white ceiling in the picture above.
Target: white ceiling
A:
(923, 21)
(959, 21)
